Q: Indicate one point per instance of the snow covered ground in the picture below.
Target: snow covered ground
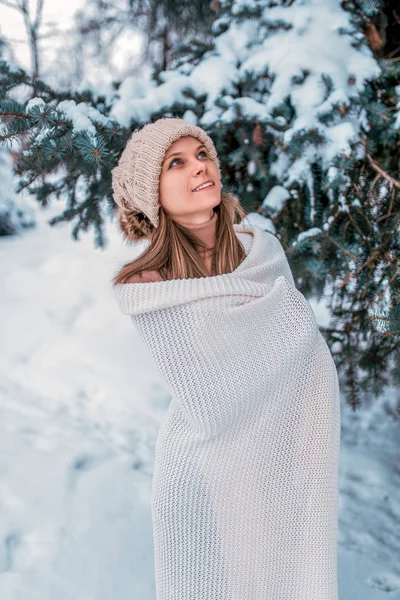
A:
(80, 406)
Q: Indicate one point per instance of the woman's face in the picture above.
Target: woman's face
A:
(181, 174)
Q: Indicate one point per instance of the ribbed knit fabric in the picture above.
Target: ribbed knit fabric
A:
(245, 485)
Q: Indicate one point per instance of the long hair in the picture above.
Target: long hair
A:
(174, 250)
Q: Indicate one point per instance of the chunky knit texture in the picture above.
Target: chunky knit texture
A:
(245, 486)
(136, 178)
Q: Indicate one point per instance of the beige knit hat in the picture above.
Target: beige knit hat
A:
(136, 178)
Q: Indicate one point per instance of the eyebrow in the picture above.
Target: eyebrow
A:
(177, 153)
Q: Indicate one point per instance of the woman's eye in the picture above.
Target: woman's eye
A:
(174, 159)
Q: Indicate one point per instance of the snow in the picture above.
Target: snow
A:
(33, 102)
(234, 44)
(6, 175)
(249, 108)
(276, 198)
(15, 212)
(190, 117)
(79, 413)
(260, 221)
(308, 233)
(251, 167)
(80, 406)
(82, 115)
(132, 90)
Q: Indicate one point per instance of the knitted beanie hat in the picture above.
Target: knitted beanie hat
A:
(136, 178)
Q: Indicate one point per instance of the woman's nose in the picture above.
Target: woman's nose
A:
(200, 167)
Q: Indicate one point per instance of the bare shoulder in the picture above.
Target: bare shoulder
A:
(144, 277)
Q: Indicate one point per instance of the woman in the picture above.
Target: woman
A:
(245, 486)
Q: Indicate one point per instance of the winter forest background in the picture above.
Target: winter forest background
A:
(302, 100)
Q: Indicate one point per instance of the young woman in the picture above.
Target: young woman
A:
(245, 486)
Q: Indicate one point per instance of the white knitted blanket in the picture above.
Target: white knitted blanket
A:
(245, 485)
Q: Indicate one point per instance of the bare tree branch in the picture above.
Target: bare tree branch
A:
(39, 13)
(31, 28)
(392, 181)
(16, 5)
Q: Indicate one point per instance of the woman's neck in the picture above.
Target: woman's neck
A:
(206, 233)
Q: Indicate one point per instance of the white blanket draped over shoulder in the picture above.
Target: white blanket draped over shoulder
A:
(245, 486)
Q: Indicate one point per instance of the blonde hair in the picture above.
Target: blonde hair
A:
(174, 250)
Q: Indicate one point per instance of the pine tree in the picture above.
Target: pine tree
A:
(301, 100)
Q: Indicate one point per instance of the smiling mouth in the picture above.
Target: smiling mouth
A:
(206, 187)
